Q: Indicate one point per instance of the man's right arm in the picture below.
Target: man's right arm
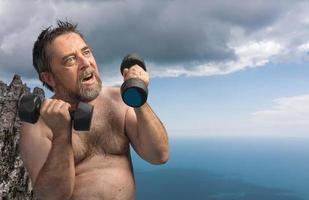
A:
(48, 159)
(50, 163)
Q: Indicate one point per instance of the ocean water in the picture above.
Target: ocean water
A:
(223, 168)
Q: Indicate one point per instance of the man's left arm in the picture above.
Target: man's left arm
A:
(147, 134)
(144, 129)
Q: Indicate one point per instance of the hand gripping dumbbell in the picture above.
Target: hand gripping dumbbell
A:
(134, 92)
(29, 111)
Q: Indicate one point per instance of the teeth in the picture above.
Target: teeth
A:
(87, 76)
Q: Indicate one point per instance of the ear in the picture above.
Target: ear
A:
(48, 78)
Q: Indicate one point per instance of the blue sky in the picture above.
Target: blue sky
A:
(220, 68)
(226, 104)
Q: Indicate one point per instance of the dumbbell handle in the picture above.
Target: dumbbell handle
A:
(29, 111)
(134, 92)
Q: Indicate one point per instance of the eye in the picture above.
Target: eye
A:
(87, 53)
(70, 60)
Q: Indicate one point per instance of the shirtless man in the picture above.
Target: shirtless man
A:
(96, 164)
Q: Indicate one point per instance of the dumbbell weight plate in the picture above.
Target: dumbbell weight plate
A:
(82, 116)
(28, 108)
(131, 60)
(134, 92)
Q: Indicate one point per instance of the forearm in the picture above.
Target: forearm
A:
(56, 178)
(152, 135)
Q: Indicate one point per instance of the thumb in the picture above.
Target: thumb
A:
(125, 72)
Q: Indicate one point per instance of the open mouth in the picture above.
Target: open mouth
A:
(88, 78)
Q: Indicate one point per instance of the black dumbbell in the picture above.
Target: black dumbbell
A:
(134, 92)
(29, 111)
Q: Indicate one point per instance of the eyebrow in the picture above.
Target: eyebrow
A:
(85, 48)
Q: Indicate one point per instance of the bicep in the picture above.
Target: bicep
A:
(34, 149)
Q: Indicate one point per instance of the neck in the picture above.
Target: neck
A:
(65, 98)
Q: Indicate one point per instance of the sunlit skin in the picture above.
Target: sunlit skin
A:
(96, 164)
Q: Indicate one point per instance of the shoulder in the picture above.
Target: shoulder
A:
(112, 93)
(111, 96)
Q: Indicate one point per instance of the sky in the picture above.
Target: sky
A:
(217, 68)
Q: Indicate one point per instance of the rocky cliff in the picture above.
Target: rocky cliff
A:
(14, 180)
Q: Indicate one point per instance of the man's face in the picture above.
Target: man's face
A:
(74, 68)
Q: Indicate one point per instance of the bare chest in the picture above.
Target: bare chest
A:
(106, 135)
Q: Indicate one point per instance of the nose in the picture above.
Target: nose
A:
(83, 62)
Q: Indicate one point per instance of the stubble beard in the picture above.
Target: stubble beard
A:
(82, 92)
(88, 93)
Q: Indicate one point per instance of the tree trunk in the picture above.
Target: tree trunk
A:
(14, 179)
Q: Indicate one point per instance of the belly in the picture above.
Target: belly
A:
(104, 178)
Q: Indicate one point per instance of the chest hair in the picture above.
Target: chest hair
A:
(106, 135)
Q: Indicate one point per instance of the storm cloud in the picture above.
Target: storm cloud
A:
(176, 37)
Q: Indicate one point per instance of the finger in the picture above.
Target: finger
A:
(53, 105)
(59, 105)
(45, 106)
(66, 106)
(132, 74)
(137, 67)
(125, 72)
